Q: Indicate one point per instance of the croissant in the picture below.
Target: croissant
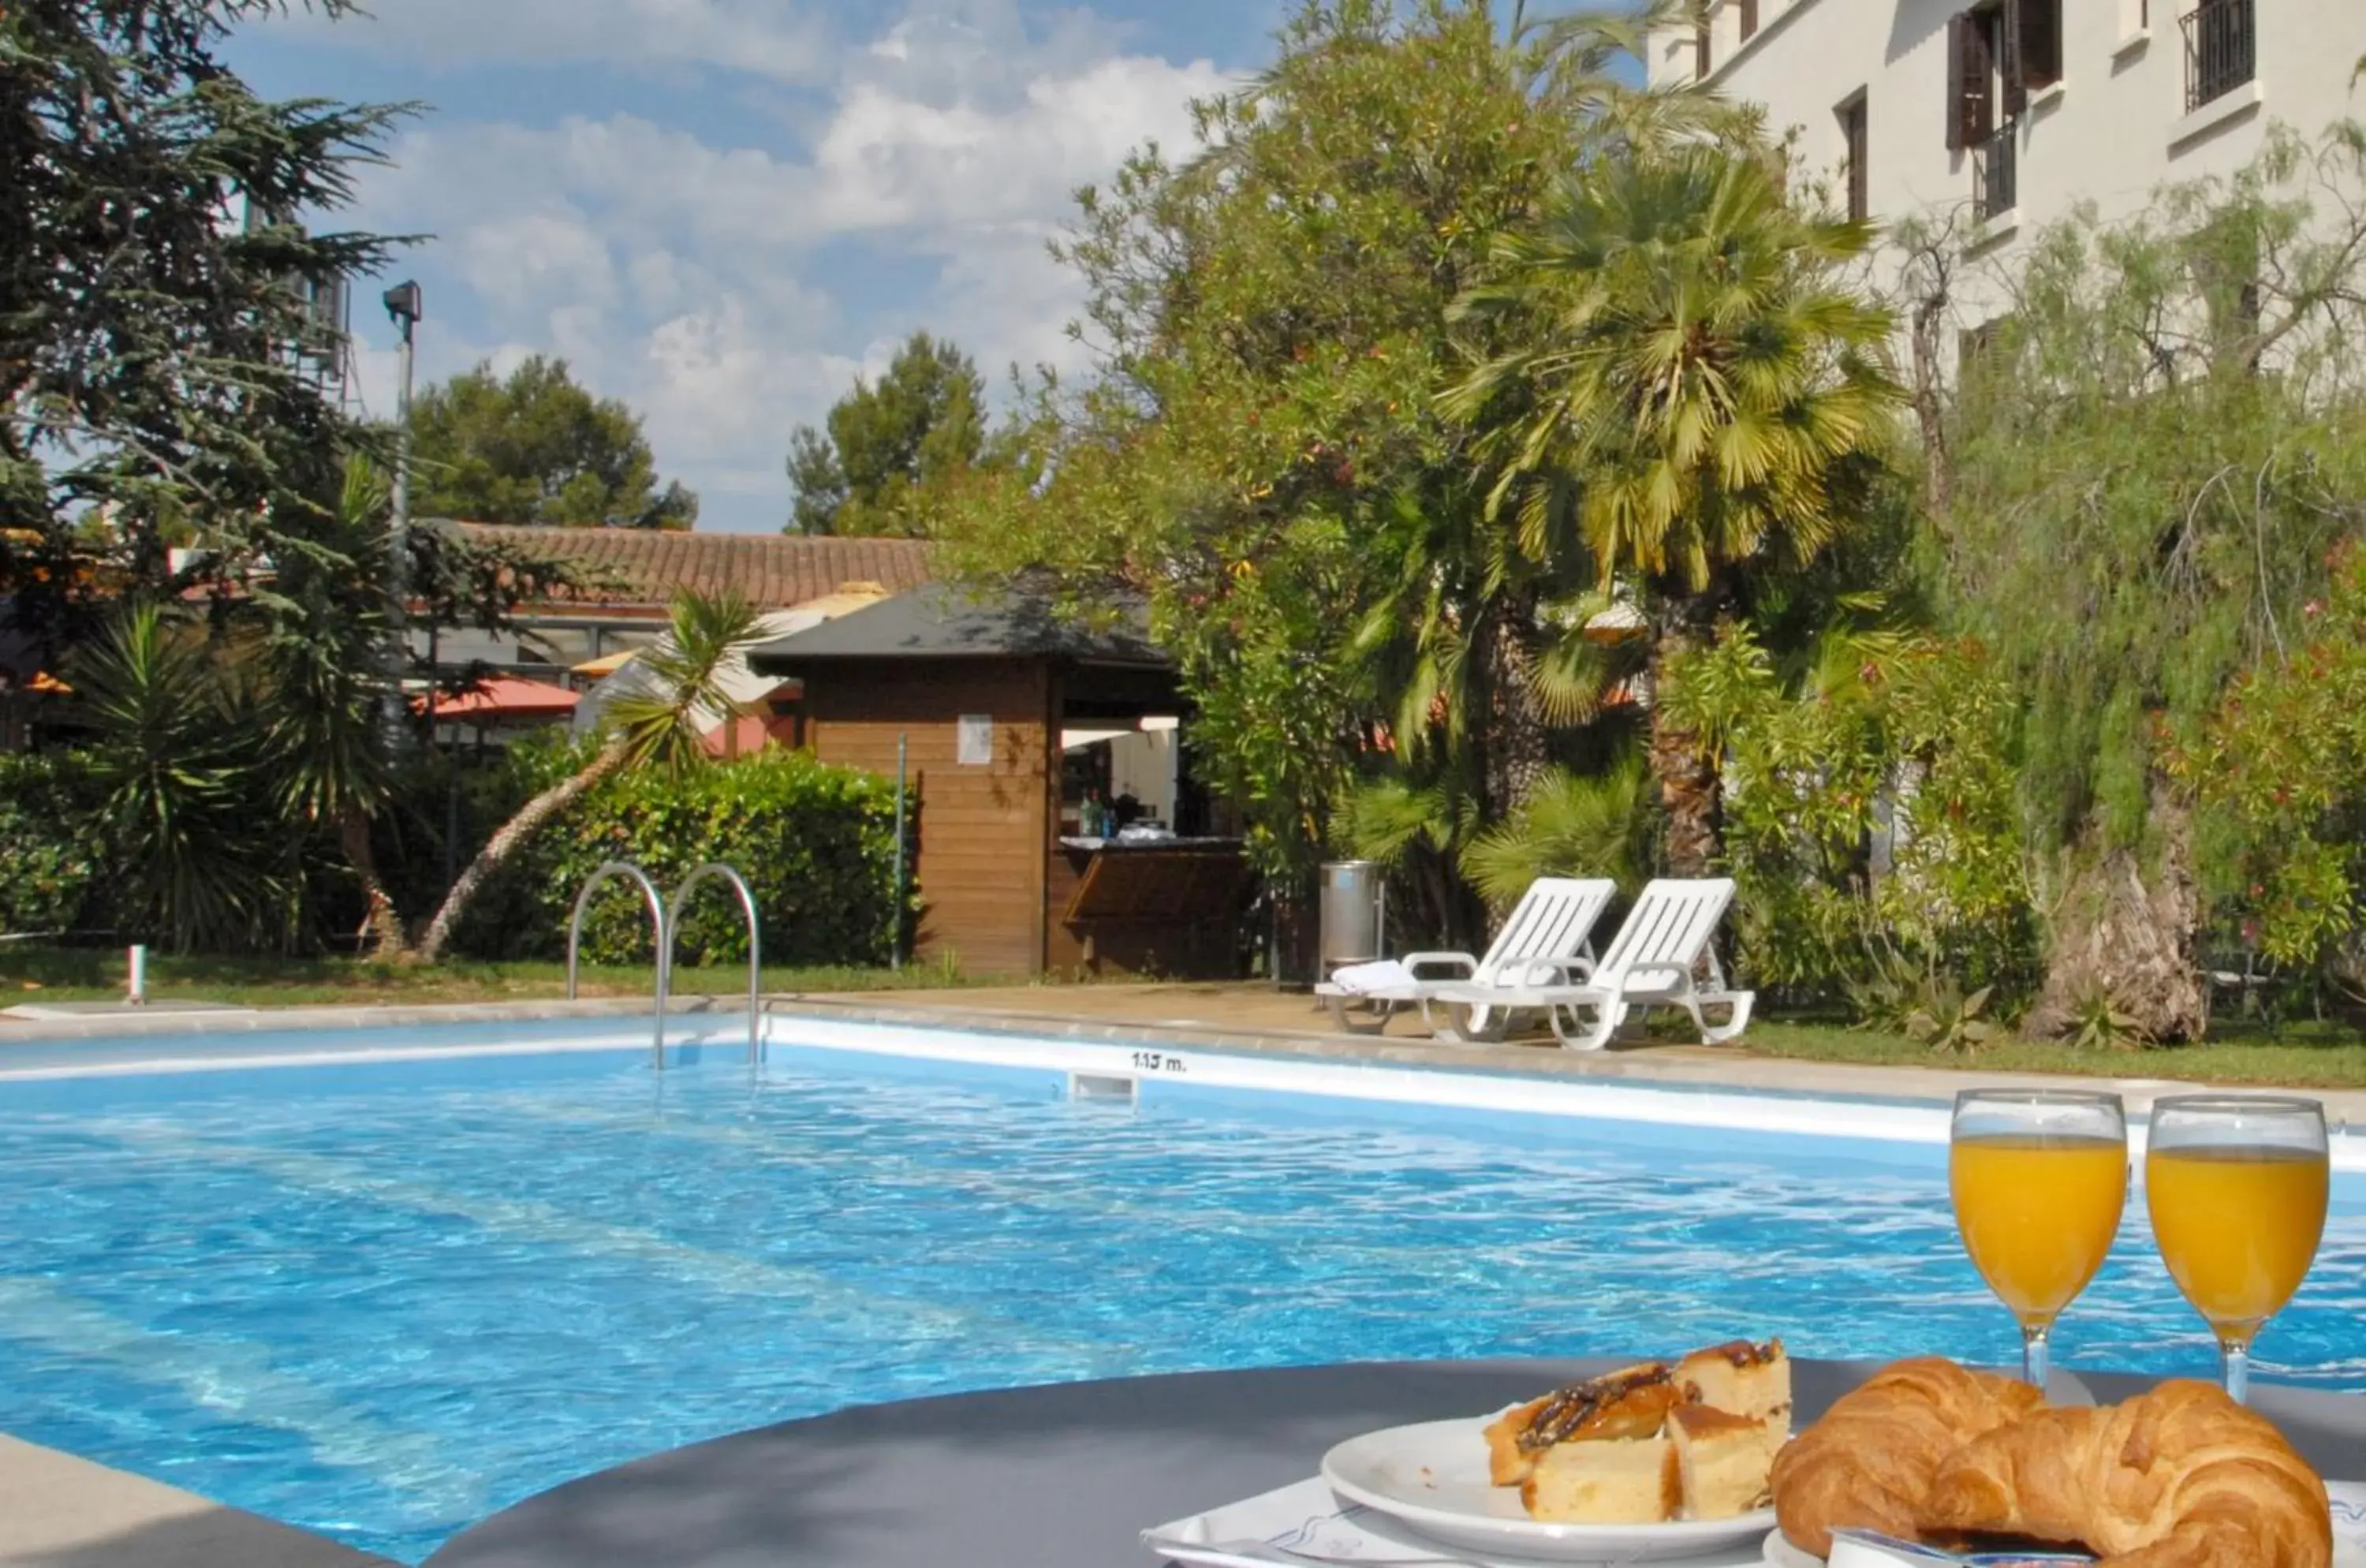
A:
(1869, 1462)
(2181, 1477)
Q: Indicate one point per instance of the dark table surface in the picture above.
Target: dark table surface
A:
(1069, 1476)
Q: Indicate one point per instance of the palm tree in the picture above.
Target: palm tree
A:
(677, 694)
(321, 661)
(1690, 389)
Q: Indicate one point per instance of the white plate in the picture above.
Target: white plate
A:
(1433, 1478)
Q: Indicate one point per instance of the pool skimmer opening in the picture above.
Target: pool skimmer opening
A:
(1101, 1086)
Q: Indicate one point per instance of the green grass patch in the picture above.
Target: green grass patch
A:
(31, 973)
(2299, 1055)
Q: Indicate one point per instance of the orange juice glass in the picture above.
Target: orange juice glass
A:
(2236, 1185)
(2039, 1179)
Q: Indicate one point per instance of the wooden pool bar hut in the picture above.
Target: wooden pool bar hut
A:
(1012, 721)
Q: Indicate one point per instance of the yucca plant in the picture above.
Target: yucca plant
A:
(321, 662)
(176, 764)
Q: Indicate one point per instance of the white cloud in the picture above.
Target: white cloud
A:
(771, 39)
(686, 278)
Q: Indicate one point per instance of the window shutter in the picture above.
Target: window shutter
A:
(1700, 51)
(1749, 10)
(1975, 83)
(1959, 30)
(2011, 68)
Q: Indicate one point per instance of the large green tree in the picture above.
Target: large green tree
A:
(1261, 455)
(891, 446)
(1693, 395)
(535, 446)
(2153, 453)
(159, 366)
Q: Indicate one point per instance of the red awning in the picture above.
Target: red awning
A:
(502, 698)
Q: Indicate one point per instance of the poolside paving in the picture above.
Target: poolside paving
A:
(1257, 1018)
(56, 1511)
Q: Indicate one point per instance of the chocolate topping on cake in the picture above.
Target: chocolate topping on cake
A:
(1566, 1411)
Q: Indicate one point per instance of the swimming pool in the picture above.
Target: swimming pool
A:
(382, 1300)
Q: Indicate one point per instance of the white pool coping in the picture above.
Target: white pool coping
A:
(1141, 1067)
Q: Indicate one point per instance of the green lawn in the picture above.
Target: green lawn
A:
(2309, 1055)
(34, 973)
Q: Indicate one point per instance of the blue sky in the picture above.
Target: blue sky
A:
(723, 211)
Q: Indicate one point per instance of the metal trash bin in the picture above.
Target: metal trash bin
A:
(1354, 913)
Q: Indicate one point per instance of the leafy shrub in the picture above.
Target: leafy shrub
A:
(816, 843)
(1883, 734)
(52, 866)
(2280, 768)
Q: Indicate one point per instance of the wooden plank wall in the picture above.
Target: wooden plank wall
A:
(983, 831)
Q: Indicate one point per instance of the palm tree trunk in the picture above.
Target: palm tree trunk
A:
(1515, 753)
(380, 927)
(1690, 790)
(511, 836)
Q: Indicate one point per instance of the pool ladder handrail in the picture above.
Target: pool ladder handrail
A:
(666, 931)
(755, 941)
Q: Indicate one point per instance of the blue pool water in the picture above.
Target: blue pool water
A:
(384, 1301)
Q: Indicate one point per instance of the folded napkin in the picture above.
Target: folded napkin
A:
(1361, 979)
(1311, 1519)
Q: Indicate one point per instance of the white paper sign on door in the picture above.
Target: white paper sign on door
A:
(975, 744)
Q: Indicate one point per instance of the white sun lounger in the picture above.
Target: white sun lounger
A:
(1548, 938)
(1652, 962)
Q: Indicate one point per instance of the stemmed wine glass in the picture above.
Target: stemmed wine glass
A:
(2237, 1184)
(2039, 1178)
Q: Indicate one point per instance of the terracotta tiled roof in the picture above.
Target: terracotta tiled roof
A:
(772, 570)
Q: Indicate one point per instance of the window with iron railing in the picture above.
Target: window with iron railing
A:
(1994, 176)
(2222, 50)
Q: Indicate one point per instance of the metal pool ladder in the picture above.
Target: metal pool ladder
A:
(666, 931)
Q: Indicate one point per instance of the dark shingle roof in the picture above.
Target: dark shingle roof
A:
(772, 572)
(942, 622)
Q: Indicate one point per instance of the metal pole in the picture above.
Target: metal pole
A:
(402, 306)
(895, 936)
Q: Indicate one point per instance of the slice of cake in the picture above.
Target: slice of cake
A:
(1746, 1378)
(1606, 1481)
(1633, 1402)
(1722, 1459)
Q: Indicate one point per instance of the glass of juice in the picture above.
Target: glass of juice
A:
(2039, 1178)
(2237, 1184)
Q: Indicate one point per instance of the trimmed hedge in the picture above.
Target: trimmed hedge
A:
(815, 842)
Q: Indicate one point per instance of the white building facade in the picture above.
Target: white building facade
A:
(2001, 116)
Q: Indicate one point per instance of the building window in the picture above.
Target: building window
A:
(1749, 10)
(1855, 143)
(1974, 346)
(1998, 54)
(1700, 49)
(1995, 178)
(2221, 50)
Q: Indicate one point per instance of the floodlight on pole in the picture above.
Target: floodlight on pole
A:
(403, 307)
